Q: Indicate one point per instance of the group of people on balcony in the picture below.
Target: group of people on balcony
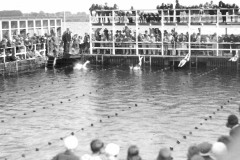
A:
(174, 43)
(16, 48)
(202, 13)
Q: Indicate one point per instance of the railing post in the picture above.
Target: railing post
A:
(25, 52)
(44, 49)
(189, 17)
(90, 34)
(174, 15)
(113, 32)
(15, 50)
(217, 30)
(162, 30)
(189, 35)
(137, 52)
(4, 58)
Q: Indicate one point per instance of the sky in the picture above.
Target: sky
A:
(52, 6)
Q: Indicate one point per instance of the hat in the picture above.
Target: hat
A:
(197, 157)
(165, 153)
(112, 149)
(232, 121)
(205, 148)
(219, 150)
(71, 142)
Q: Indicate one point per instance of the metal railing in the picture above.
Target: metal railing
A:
(23, 51)
(216, 48)
(167, 16)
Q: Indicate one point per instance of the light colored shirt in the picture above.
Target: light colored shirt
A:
(91, 157)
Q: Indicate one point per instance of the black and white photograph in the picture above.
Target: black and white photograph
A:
(119, 80)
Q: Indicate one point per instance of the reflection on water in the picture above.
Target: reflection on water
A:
(154, 109)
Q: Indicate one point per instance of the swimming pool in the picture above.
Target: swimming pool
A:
(151, 108)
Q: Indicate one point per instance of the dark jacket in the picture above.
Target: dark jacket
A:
(67, 155)
(67, 37)
(222, 5)
(235, 132)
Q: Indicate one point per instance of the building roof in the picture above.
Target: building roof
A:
(28, 18)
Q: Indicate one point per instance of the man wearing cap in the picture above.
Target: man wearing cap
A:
(234, 125)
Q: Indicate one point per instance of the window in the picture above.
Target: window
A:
(38, 23)
(52, 22)
(22, 24)
(58, 22)
(14, 24)
(30, 23)
(5, 25)
(45, 23)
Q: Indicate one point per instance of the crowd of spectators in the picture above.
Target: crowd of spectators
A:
(226, 147)
(14, 49)
(76, 44)
(199, 13)
(41, 46)
(124, 41)
(174, 43)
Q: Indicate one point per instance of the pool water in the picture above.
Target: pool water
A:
(151, 108)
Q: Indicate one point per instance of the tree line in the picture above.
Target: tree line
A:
(18, 13)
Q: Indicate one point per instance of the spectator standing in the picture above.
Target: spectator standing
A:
(233, 124)
(177, 11)
(98, 38)
(152, 40)
(133, 153)
(236, 9)
(140, 40)
(146, 39)
(55, 41)
(164, 154)
(86, 42)
(165, 43)
(75, 44)
(223, 11)
(81, 44)
(171, 40)
(226, 44)
(97, 150)
(211, 11)
(214, 40)
(66, 38)
(171, 12)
